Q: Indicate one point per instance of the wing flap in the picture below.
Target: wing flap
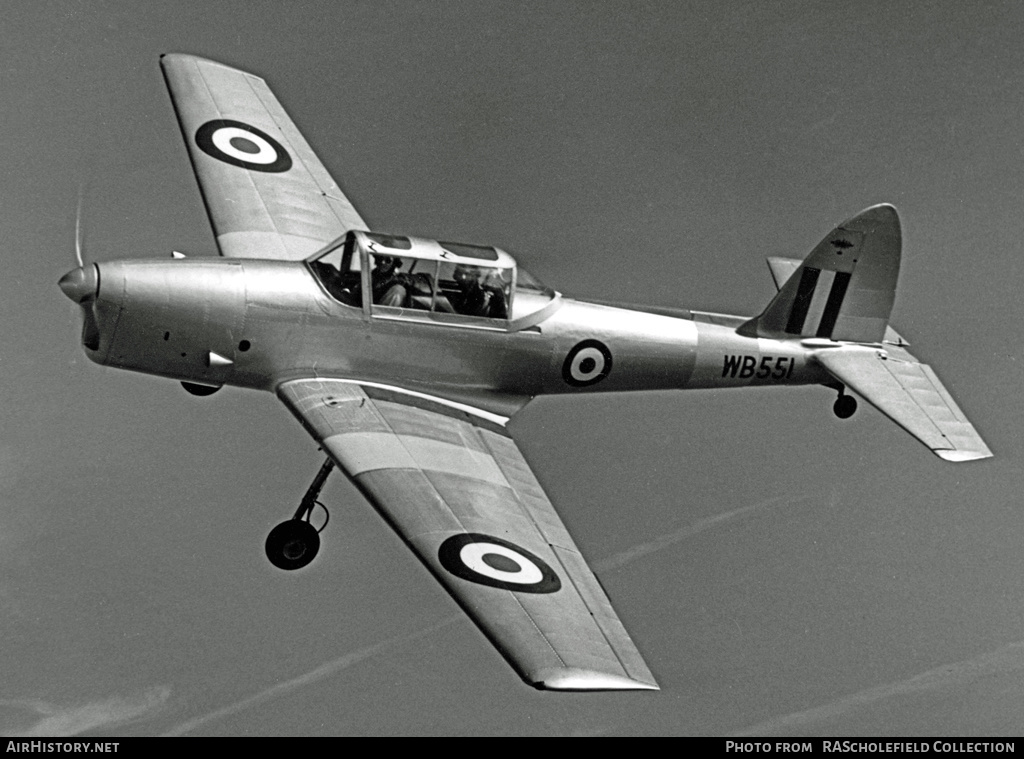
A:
(910, 394)
(456, 488)
(266, 192)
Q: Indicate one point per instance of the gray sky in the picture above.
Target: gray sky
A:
(779, 569)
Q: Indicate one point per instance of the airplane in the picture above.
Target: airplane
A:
(405, 358)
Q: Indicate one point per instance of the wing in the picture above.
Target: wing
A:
(910, 394)
(266, 192)
(451, 481)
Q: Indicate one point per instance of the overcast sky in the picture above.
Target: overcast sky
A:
(779, 569)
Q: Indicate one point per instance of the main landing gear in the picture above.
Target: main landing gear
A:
(294, 543)
(845, 405)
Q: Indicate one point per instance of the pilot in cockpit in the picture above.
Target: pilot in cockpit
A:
(482, 293)
(390, 287)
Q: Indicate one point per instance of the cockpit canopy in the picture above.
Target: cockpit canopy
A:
(409, 277)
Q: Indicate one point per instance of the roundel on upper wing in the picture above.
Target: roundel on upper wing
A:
(587, 363)
(487, 560)
(242, 145)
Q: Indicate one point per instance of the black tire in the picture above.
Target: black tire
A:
(845, 406)
(292, 544)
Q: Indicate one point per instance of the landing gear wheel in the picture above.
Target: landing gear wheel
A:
(202, 391)
(845, 406)
(292, 544)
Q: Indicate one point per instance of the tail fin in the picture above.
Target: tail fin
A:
(845, 288)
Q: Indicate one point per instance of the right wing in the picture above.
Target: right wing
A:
(452, 483)
(909, 393)
(266, 192)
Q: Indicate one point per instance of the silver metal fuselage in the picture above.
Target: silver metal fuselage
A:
(256, 323)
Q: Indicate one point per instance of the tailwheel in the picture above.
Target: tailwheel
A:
(845, 406)
(294, 543)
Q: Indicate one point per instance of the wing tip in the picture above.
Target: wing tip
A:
(957, 456)
(172, 59)
(575, 679)
(166, 58)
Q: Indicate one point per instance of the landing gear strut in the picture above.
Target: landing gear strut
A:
(294, 543)
(845, 405)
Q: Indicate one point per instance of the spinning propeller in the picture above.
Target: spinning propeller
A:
(81, 285)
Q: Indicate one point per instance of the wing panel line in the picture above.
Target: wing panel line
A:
(291, 139)
(302, 145)
(597, 623)
(248, 174)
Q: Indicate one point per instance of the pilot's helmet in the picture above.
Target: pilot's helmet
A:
(387, 263)
(466, 272)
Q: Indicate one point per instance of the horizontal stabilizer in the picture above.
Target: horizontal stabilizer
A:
(910, 394)
(782, 269)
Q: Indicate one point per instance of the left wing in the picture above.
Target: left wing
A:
(266, 192)
(452, 483)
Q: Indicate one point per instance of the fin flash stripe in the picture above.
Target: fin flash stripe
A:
(823, 320)
(802, 301)
(835, 302)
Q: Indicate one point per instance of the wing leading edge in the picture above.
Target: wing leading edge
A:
(454, 485)
(266, 192)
